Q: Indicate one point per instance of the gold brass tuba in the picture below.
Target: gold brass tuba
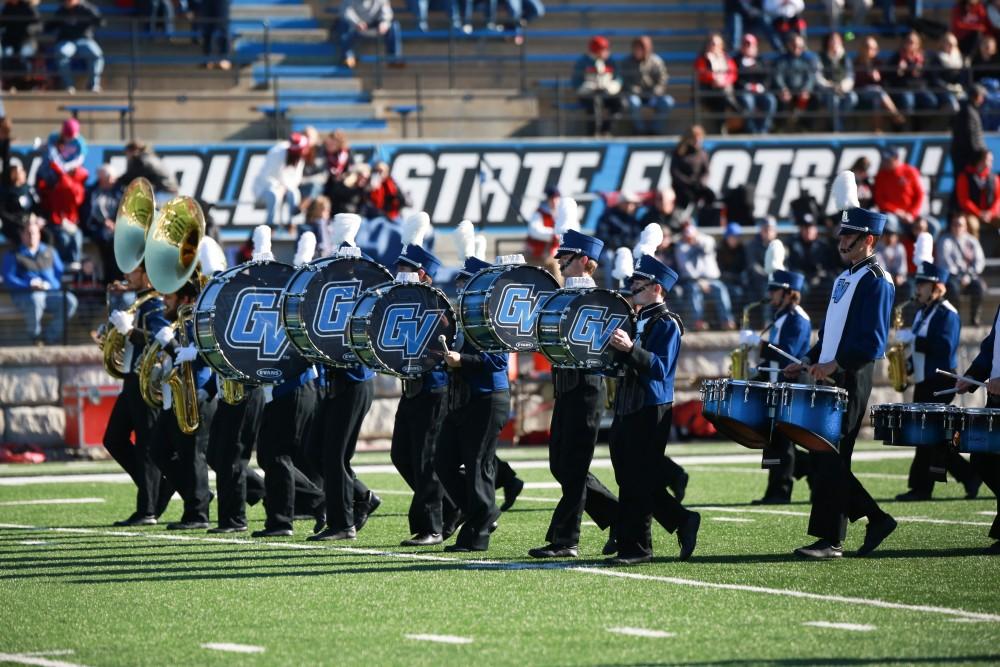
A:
(183, 390)
(112, 342)
(739, 358)
(898, 353)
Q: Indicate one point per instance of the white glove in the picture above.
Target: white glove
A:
(122, 321)
(168, 397)
(186, 354)
(748, 337)
(268, 391)
(164, 336)
(905, 336)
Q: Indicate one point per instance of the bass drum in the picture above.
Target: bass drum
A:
(574, 327)
(396, 328)
(499, 305)
(237, 325)
(318, 303)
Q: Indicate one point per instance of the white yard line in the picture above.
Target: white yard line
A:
(731, 519)
(607, 572)
(440, 639)
(987, 513)
(904, 519)
(641, 632)
(52, 501)
(34, 659)
(763, 471)
(233, 648)
(853, 627)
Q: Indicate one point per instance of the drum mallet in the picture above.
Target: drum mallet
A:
(945, 392)
(961, 377)
(444, 343)
(791, 358)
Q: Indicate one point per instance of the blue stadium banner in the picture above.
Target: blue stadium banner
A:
(500, 183)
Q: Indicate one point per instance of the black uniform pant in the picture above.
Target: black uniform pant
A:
(414, 437)
(638, 446)
(469, 437)
(837, 494)
(505, 474)
(182, 458)
(784, 465)
(285, 424)
(576, 419)
(987, 466)
(931, 464)
(233, 436)
(345, 407)
(129, 415)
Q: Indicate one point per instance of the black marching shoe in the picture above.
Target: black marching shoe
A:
(460, 549)
(876, 533)
(365, 509)
(510, 493)
(221, 530)
(630, 560)
(972, 487)
(771, 500)
(422, 540)
(679, 486)
(554, 551)
(450, 528)
(331, 535)
(687, 535)
(913, 496)
(993, 549)
(273, 532)
(136, 520)
(319, 521)
(611, 546)
(187, 525)
(820, 550)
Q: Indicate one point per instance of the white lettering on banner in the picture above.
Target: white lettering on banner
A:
(455, 166)
(571, 180)
(214, 187)
(812, 170)
(639, 170)
(931, 162)
(539, 166)
(501, 171)
(246, 212)
(729, 168)
(187, 170)
(413, 172)
(771, 161)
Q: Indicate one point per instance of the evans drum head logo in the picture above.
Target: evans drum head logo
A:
(255, 323)
(269, 374)
(518, 309)
(407, 329)
(592, 328)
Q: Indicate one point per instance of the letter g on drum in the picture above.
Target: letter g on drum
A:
(336, 302)
(592, 328)
(518, 308)
(408, 330)
(255, 323)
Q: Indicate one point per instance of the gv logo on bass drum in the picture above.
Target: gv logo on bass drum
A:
(518, 308)
(407, 329)
(592, 328)
(255, 323)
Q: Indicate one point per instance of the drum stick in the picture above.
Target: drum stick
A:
(444, 343)
(784, 354)
(944, 392)
(961, 377)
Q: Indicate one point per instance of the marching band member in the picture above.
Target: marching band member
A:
(790, 332)
(933, 341)
(853, 337)
(182, 456)
(642, 422)
(130, 413)
(576, 416)
(986, 368)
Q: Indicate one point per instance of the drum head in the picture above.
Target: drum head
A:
(806, 438)
(513, 297)
(739, 432)
(319, 302)
(238, 324)
(396, 328)
(585, 326)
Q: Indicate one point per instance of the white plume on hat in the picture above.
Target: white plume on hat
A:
(305, 250)
(262, 244)
(211, 258)
(415, 228)
(774, 257)
(845, 191)
(465, 240)
(923, 249)
(649, 240)
(567, 216)
(344, 229)
(480, 252)
(623, 264)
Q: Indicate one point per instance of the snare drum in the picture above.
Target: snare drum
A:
(811, 416)
(318, 304)
(499, 306)
(710, 398)
(237, 325)
(922, 425)
(395, 328)
(574, 327)
(743, 411)
(978, 430)
(885, 422)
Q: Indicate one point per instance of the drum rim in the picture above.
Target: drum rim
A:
(750, 383)
(919, 408)
(794, 386)
(980, 411)
(498, 269)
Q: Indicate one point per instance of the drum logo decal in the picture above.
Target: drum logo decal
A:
(407, 330)
(592, 328)
(255, 323)
(519, 307)
(336, 301)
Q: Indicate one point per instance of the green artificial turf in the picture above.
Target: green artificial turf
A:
(148, 597)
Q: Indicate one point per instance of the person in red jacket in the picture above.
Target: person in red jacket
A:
(898, 190)
(716, 73)
(541, 245)
(977, 191)
(384, 194)
(969, 22)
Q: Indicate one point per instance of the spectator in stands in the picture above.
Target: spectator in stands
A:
(663, 211)
(984, 65)
(337, 153)
(98, 219)
(907, 78)
(421, 9)
(969, 23)
(142, 161)
(946, 74)
(892, 257)
(371, 18)
(214, 18)
(786, 18)
(899, 191)
(276, 186)
(33, 274)
(835, 80)
(61, 190)
(795, 79)
(18, 198)
(961, 254)
(716, 74)
(318, 217)
(598, 86)
(967, 130)
(689, 170)
(700, 277)
(977, 192)
(350, 193)
(756, 250)
(862, 175)
(814, 257)
(160, 13)
(644, 82)
(384, 194)
(732, 259)
(73, 24)
(542, 242)
(872, 95)
(19, 26)
(617, 226)
(752, 84)
(747, 17)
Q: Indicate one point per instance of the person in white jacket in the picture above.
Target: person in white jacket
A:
(277, 183)
(371, 18)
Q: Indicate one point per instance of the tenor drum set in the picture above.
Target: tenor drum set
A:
(972, 430)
